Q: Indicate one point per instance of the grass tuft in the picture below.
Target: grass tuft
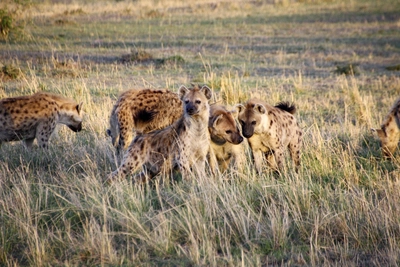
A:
(341, 208)
(10, 72)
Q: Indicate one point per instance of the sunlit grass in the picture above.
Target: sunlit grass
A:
(340, 209)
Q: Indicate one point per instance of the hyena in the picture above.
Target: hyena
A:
(180, 146)
(270, 129)
(35, 116)
(142, 111)
(225, 139)
(389, 133)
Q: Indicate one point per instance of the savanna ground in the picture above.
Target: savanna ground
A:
(341, 209)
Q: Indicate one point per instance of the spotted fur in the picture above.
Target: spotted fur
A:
(389, 133)
(26, 118)
(270, 130)
(142, 111)
(181, 146)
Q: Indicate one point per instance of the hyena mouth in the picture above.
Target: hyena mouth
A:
(237, 140)
(247, 135)
(191, 111)
(76, 128)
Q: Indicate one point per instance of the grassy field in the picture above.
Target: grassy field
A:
(341, 209)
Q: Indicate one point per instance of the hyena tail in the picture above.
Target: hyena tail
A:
(145, 116)
(286, 106)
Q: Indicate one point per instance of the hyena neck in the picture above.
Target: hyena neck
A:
(198, 124)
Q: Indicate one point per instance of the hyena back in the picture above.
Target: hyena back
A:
(142, 111)
(25, 118)
(180, 146)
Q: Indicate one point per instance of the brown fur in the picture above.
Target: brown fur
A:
(28, 117)
(142, 111)
(181, 146)
(269, 131)
(389, 133)
(225, 139)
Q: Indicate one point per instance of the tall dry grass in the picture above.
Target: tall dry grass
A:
(341, 208)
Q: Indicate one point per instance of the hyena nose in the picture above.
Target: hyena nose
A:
(240, 139)
(190, 110)
(247, 134)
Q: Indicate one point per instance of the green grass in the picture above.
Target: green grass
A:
(341, 209)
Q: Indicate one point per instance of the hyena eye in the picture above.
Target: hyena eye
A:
(186, 101)
(241, 122)
(253, 122)
(198, 101)
(228, 132)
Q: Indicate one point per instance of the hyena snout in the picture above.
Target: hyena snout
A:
(236, 138)
(248, 130)
(191, 109)
(76, 128)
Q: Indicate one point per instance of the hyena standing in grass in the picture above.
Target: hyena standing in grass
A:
(225, 139)
(142, 111)
(270, 130)
(25, 118)
(389, 133)
(180, 146)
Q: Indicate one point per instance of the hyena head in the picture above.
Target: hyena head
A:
(389, 138)
(71, 115)
(250, 117)
(195, 100)
(223, 127)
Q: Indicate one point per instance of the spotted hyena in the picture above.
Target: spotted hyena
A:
(142, 111)
(270, 129)
(225, 139)
(180, 146)
(389, 133)
(28, 117)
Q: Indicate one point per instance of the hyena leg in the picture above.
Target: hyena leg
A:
(43, 132)
(212, 161)
(295, 154)
(200, 167)
(126, 125)
(28, 143)
(279, 157)
(271, 160)
(182, 166)
(258, 160)
(131, 162)
(224, 164)
(148, 172)
(239, 160)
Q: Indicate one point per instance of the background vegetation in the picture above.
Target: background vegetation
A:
(338, 61)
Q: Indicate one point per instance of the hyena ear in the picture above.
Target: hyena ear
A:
(234, 113)
(217, 119)
(260, 108)
(206, 91)
(79, 107)
(183, 91)
(239, 108)
(381, 133)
